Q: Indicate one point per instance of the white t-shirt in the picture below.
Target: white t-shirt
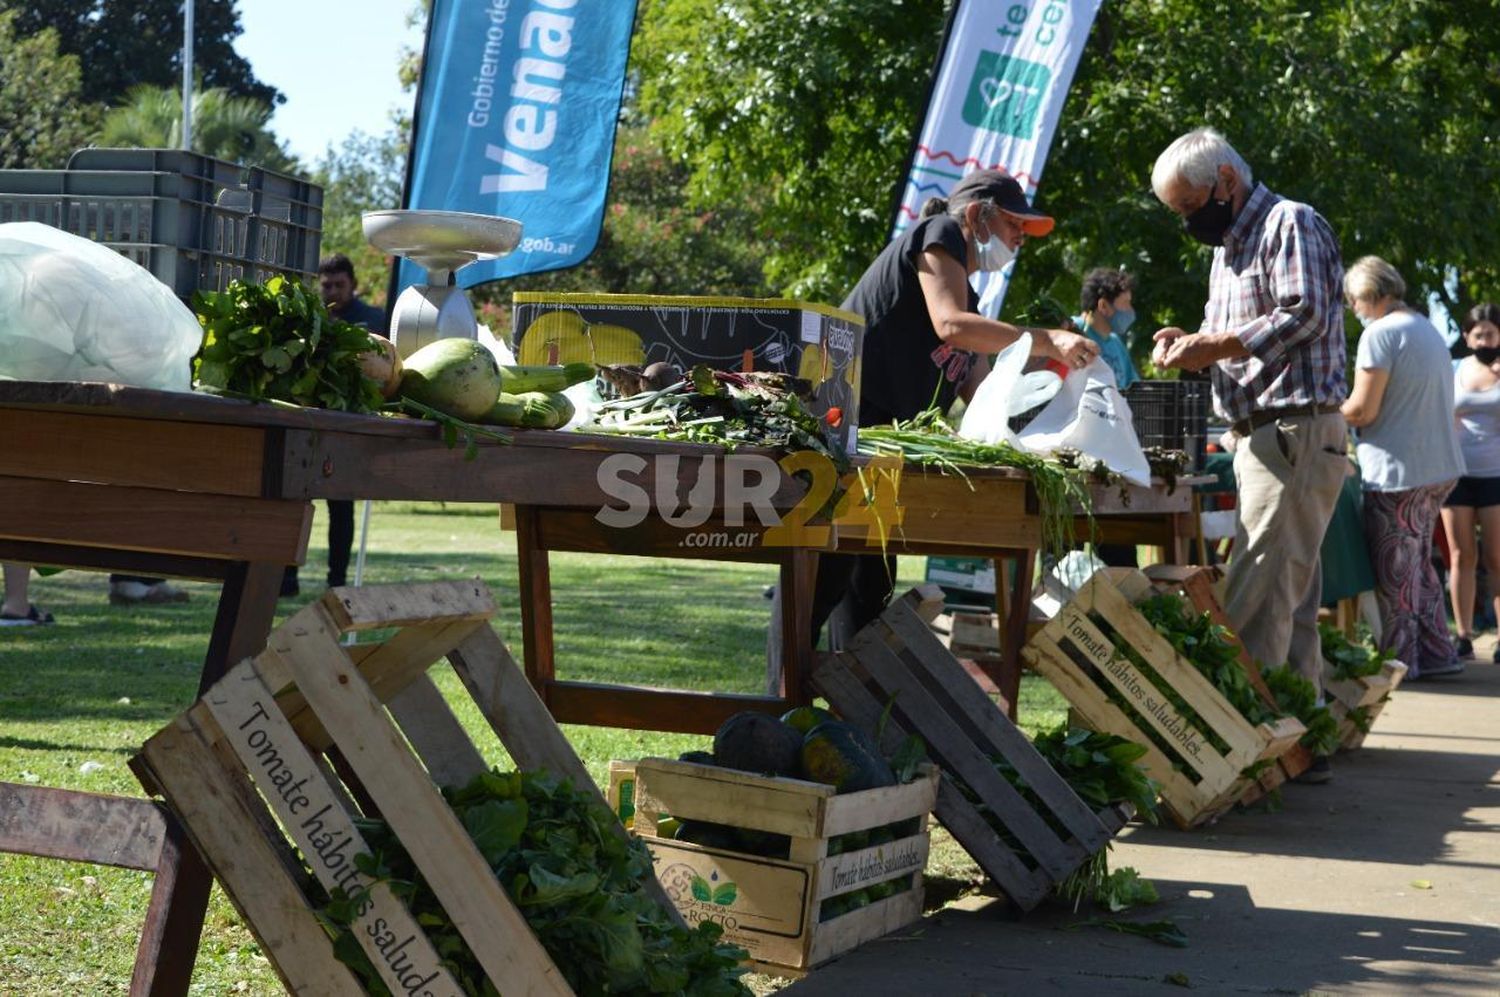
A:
(1413, 441)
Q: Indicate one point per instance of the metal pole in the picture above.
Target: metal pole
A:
(187, 74)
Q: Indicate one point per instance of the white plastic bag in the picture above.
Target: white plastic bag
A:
(987, 416)
(1091, 416)
(74, 310)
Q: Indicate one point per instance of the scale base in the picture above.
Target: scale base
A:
(424, 314)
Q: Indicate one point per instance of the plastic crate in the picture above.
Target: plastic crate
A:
(1171, 414)
(195, 222)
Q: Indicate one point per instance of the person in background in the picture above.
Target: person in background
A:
(1473, 506)
(337, 286)
(1409, 460)
(18, 609)
(1273, 336)
(923, 330)
(1107, 299)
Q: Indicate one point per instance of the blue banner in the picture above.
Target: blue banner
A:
(516, 117)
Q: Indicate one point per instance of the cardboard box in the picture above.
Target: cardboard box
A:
(813, 341)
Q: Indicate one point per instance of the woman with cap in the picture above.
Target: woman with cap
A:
(923, 329)
(923, 334)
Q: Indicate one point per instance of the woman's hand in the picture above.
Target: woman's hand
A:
(1075, 351)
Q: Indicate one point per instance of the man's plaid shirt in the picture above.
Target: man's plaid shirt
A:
(1277, 284)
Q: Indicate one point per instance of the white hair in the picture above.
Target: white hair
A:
(1370, 279)
(1196, 158)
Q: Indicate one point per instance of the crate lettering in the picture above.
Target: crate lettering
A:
(1131, 684)
(879, 867)
(268, 747)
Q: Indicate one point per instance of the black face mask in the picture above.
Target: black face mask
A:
(1487, 354)
(1209, 223)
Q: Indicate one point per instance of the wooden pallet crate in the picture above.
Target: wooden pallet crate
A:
(1082, 652)
(268, 769)
(1199, 585)
(771, 906)
(897, 660)
(1370, 692)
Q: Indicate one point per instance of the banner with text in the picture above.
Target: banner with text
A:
(519, 100)
(1004, 76)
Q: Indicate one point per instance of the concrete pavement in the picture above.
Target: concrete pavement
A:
(1384, 881)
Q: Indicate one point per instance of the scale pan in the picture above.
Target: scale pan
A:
(444, 240)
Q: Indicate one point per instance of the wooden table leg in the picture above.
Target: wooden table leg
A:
(535, 593)
(799, 576)
(179, 898)
(1013, 600)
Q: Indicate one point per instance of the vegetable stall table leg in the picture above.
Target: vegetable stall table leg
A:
(541, 529)
(104, 494)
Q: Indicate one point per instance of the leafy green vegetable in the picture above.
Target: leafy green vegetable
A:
(1125, 889)
(577, 883)
(1165, 932)
(277, 342)
(1299, 697)
(929, 441)
(1350, 660)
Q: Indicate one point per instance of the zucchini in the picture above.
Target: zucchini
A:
(530, 410)
(522, 378)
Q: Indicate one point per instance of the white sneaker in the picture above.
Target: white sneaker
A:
(131, 593)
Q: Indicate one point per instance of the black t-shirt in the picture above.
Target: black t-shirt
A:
(906, 367)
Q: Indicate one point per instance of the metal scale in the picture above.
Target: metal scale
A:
(442, 243)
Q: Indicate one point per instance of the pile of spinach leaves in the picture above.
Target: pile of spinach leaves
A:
(575, 880)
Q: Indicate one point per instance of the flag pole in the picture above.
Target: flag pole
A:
(187, 74)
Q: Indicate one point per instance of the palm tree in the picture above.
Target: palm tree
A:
(224, 126)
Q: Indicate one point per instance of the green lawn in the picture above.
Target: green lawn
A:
(77, 698)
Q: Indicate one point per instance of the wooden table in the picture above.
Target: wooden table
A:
(989, 513)
(107, 478)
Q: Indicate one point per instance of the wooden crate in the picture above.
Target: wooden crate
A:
(1199, 585)
(1082, 661)
(1371, 692)
(250, 770)
(770, 906)
(897, 660)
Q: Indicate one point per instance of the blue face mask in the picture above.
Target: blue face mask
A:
(1121, 321)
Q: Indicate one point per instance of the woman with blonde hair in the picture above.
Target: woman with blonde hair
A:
(1401, 406)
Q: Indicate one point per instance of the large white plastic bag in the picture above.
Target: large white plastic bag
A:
(1006, 392)
(74, 310)
(1091, 416)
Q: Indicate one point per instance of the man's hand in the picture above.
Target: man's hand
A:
(1194, 351)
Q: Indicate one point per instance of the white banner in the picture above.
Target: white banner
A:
(995, 103)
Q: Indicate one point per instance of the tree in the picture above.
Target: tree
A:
(43, 118)
(809, 108)
(1383, 115)
(232, 128)
(125, 43)
(363, 174)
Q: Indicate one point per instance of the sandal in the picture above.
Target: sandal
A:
(34, 618)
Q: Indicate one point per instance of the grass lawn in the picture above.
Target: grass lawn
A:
(77, 698)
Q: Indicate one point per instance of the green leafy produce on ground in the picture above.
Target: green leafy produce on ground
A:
(577, 883)
(1350, 660)
(277, 342)
(1103, 770)
(1299, 697)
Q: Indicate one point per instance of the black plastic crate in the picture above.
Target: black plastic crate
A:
(1172, 415)
(195, 222)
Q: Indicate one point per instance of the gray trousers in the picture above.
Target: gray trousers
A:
(1288, 473)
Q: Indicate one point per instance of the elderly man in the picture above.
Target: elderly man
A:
(1273, 332)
